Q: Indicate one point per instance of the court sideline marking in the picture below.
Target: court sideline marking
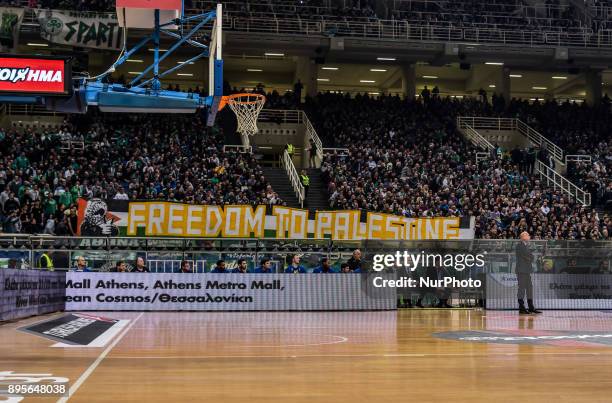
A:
(399, 355)
(97, 362)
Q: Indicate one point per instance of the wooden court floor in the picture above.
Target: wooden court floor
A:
(325, 357)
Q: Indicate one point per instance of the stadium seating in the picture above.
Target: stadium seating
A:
(170, 157)
(551, 16)
(580, 130)
(407, 158)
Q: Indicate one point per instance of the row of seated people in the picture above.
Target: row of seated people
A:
(407, 158)
(126, 157)
(353, 265)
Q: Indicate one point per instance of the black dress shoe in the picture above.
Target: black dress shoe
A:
(523, 311)
(533, 310)
(447, 305)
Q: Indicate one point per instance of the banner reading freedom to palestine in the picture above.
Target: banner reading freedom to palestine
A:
(159, 218)
(82, 29)
(222, 292)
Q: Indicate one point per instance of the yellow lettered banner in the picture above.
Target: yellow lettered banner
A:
(172, 219)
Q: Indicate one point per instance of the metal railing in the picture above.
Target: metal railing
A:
(481, 156)
(173, 265)
(311, 134)
(342, 152)
(29, 109)
(294, 116)
(103, 252)
(281, 116)
(465, 125)
(535, 137)
(578, 158)
(558, 181)
(238, 147)
(490, 123)
(401, 30)
(405, 31)
(294, 178)
(67, 145)
(487, 123)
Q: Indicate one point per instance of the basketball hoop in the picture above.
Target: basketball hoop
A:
(247, 108)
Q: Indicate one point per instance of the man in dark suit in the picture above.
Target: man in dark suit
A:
(524, 261)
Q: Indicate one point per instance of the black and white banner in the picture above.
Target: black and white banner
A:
(221, 292)
(81, 29)
(552, 291)
(26, 293)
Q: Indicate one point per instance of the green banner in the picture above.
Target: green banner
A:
(10, 23)
(81, 29)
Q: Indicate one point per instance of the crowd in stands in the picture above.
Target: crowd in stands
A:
(579, 129)
(124, 157)
(505, 14)
(517, 15)
(241, 266)
(407, 158)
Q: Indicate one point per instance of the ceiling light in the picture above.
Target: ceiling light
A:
(491, 85)
(329, 68)
(274, 54)
(160, 49)
(374, 93)
(135, 72)
(134, 61)
(539, 88)
(367, 81)
(184, 63)
(255, 70)
(559, 78)
(433, 77)
(184, 74)
(323, 79)
(494, 63)
(38, 44)
(516, 75)
(390, 59)
(378, 70)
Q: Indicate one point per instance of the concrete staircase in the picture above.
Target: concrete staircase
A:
(281, 185)
(317, 198)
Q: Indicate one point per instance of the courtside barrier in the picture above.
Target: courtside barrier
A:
(30, 292)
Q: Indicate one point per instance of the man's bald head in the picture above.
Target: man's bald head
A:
(525, 236)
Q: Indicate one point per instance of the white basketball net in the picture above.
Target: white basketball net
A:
(247, 108)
